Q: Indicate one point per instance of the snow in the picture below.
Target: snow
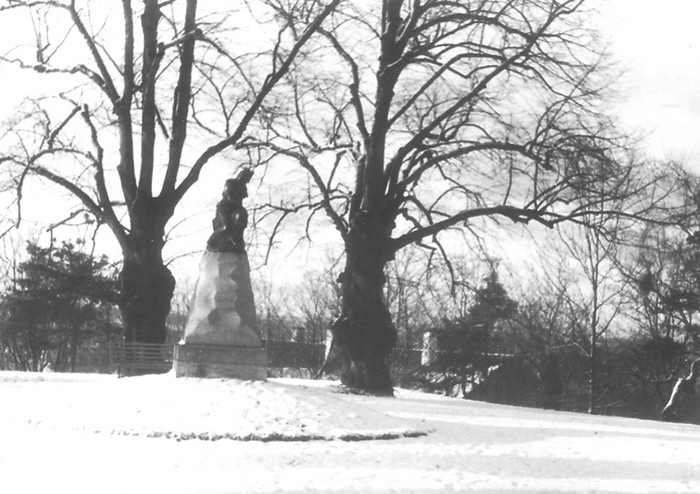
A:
(90, 433)
(162, 406)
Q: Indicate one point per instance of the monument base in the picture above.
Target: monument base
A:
(220, 361)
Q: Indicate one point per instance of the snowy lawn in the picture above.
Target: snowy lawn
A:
(99, 434)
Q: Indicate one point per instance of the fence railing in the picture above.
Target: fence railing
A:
(135, 359)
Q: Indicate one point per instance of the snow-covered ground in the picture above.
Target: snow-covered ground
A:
(99, 434)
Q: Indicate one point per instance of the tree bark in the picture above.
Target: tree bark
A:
(146, 284)
(74, 340)
(593, 375)
(364, 333)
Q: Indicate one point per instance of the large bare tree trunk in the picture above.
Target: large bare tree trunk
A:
(146, 284)
(364, 333)
(146, 290)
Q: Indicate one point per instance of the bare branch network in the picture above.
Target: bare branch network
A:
(450, 114)
(139, 98)
(111, 103)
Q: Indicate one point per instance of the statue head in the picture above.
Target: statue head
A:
(235, 189)
(231, 217)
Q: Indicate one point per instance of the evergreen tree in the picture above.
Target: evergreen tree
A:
(59, 301)
(467, 342)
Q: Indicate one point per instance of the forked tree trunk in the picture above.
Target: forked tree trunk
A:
(146, 287)
(364, 333)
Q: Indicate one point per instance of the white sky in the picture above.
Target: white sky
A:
(658, 43)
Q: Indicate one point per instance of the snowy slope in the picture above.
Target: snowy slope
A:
(208, 409)
(86, 433)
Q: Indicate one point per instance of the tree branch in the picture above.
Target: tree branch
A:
(181, 99)
(270, 82)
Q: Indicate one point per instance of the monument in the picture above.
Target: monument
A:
(221, 337)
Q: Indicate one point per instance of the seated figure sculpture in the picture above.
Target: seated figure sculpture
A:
(231, 217)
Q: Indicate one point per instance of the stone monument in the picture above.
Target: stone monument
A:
(221, 337)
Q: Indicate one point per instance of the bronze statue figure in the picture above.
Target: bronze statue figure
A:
(231, 217)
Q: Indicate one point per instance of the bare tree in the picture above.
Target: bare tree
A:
(131, 106)
(412, 284)
(295, 318)
(409, 297)
(664, 266)
(595, 296)
(537, 334)
(664, 285)
(439, 116)
(659, 266)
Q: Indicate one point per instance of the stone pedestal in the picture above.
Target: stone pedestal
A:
(221, 337)
(220, 361)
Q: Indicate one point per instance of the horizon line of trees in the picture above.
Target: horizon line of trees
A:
(534, 344)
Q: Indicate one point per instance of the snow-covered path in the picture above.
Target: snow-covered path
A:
(472, 447)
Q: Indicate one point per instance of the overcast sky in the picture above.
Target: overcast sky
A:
(658, 42)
